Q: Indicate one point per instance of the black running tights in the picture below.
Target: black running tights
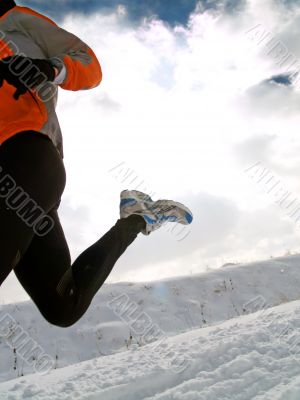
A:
(32, 241)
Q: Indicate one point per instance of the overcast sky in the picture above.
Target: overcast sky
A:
(199, 103)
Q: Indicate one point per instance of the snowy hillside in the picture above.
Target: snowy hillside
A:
(253, 357)
(170, 334)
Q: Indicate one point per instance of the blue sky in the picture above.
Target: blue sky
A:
(181, 113)
(171, 11)
(168, 10)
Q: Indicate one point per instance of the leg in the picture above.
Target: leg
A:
(63, 292)
(31, 167)
(42, 266)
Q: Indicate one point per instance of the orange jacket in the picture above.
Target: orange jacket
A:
(24, 31)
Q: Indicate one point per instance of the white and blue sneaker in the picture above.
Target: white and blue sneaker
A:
(155, 213)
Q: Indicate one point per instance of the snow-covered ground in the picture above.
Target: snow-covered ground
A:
(210, 336)
(249, 357)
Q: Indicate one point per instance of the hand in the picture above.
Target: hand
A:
(25, 73)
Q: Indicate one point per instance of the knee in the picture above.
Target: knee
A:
(64, 312)
(61, 323)
(60, 313)
(60, 319)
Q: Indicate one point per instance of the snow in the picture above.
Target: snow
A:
(233, 333)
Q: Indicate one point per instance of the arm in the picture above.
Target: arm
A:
(83, 70)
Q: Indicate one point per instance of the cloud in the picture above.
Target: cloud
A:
(276, 94)
(258, 148)
(107, 103)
